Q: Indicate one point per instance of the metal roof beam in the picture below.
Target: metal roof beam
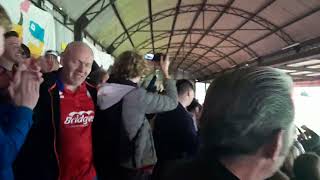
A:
(177, 45)
(214, 22)
(274, 31)
(95, 13)
(151, 23)
(194, 8)
(231, 40)
(204, 2)
(310, 48)
(216, 52)
(173, 24)
(239, 27)
(245, 29)
(115, 10)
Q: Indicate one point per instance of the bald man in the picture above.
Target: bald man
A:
(59, 145)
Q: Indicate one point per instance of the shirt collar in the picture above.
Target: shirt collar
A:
(61, 86)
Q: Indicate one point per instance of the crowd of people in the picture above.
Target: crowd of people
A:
(64, 121)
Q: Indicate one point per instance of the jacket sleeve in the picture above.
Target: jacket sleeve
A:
(13, 133)
(155, 103)
(190, 137)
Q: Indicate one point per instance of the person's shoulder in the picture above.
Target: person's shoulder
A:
(137, 94)
(181, 113)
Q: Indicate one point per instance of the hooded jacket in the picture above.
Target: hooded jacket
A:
(122, 108)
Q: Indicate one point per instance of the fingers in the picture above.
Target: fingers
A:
(34, 76)
(162, 58)
(167, 57)
(11, 90)
(29, 90)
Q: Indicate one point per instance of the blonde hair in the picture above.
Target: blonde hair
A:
(129, 64)
(5, 21)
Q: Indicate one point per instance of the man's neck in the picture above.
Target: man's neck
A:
(6, 63)
(72, 88)
(67, 85)
(244, 168)
(182, 102)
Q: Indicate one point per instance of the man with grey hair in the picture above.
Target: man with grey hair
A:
(247, 127)
(59, 145)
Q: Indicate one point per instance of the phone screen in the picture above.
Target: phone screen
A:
(153, 57)
(149, 57)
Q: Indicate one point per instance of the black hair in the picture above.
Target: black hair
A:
(194, 104)
(183, 86)
(11, 34)
(25, 51)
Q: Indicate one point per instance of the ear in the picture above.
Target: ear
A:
(273, 149)
(188, 93)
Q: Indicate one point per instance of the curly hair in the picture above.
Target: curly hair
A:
(5, 21)
(129, 64)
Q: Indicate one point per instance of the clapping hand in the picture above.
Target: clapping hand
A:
(25, 85)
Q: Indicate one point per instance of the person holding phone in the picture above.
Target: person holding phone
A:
(123, 143)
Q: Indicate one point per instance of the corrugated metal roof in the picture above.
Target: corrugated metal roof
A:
(203, 36)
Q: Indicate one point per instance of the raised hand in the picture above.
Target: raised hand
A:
(24, 87)
(164, 65)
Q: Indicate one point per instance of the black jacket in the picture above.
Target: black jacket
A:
(38, 156)
(198, 169)
(174, 135)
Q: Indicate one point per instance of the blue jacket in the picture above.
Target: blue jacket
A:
(15, 123)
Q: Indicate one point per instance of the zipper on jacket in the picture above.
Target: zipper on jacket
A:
(54, 132)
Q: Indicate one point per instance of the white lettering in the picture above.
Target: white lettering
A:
(82, 118)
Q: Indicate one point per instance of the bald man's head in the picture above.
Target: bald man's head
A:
(76, 46)
(77, 60)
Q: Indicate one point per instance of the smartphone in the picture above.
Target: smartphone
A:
(153, 57)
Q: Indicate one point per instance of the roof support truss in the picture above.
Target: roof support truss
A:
(194, 8)
(239, 27)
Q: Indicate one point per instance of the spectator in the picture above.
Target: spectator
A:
(307, 167)
(25, 52)
(59, 143)
(49, 62)
(99, 77)
(195, 109)
(123, 143)
(247, 127)
(5, 26)
(175, 135)
(294, 152)
(12, 53)
(309, 139)
(5, 76)
(16, 116)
